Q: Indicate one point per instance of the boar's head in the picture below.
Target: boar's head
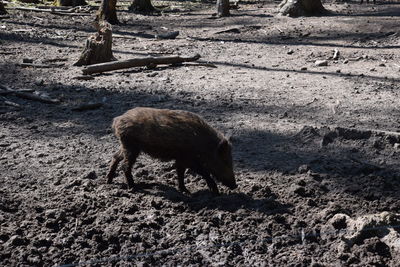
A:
(221, 165)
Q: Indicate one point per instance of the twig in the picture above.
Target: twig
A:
(20, 90)
(52, 11)
(12, 104)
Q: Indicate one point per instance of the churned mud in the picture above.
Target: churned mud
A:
(316, 148)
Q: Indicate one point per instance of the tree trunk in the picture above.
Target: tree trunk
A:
(70, 3)
(142, 6)
(108, 12)
(98, 47)
(223, 8)
(3, 11)
(296, 8)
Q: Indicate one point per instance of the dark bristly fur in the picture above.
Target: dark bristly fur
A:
(173, 135)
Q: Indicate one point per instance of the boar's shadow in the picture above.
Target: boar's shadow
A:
(204, 199)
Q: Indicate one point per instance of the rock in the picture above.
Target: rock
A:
(34, 260)
(321, 63)
(303, 168)
(299, 190)
(303, 68)
(376, 224)
(376, 230)
(56, 214)
(290, 52)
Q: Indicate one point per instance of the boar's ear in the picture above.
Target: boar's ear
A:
(228, 136)
(223, 146)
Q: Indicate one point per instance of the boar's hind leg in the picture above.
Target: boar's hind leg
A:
(129, 159)
(114, 164)
(180, 169)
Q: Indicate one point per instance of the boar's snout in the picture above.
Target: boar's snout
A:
(231, 183)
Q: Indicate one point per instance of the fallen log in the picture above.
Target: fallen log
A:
(137, 62)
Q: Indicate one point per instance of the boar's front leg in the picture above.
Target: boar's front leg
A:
(129, 159)
(206, 175)
(180, 169)
(211, 184)
(114, 164)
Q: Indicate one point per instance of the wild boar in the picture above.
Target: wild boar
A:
(173, 135)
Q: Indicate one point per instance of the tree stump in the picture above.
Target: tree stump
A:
(70, 3)
(98, 47)
(142, 6)
(3, 11)
(223, 8)
(297, 8)
(108, 12)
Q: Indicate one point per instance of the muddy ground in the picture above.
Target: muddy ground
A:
(316, 148)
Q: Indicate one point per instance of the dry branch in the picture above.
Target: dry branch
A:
(137, 62)
(51, 10)
(12, 104)
(8, 92)
(45, 66)
(28, 96)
